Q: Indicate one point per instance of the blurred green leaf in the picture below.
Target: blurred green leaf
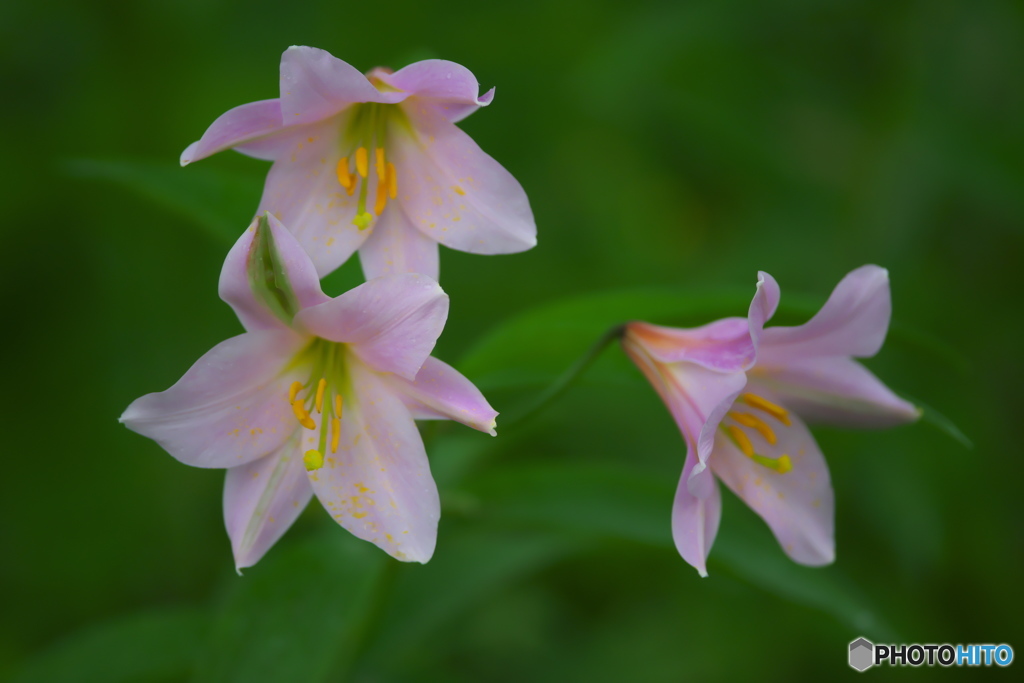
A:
(604, 501)
(470, 563)
(221, 203)
(297, 615)
(156, 646)
(940, 422)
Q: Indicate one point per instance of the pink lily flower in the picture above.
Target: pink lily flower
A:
(375, 163)
(739, 391)
(318, 396)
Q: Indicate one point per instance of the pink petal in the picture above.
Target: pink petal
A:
(763, 305)
(397, 247)
(440, 392)
(236, 290)
(378, 484)
(262, 499)
(234, 127)
(449, 88)
(836, 390)
(797, 505)
(316, 85)
(723, 345)
(853, 322)
(391, 322)
(455, 193)
(695, 520)
(230, 408)
(303, 191)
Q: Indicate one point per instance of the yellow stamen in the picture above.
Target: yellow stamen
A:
(313, 460)
(382, 197)
(294, 391)
(300, 412)
(320, 395)
(351, 189)
(782, 464)
(741, 440)
(748, 420)
(362, 161)
(343, 175)
(335, 434)
(776, 411)
(382, 169)
(392, 181)
(337, 405)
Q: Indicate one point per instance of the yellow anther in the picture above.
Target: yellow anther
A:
(748, 420)
(320, 395)
(362, 220)
(776, 411)
(343, 175)
(382, 197)
(313, 460)
(337, 405)
(741, 440)
(362, 161)
(382, 168)
(335, 434)
(392, 181)
(351, 189)
(294, 391)
(300, 412)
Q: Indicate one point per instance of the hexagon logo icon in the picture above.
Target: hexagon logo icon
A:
(862, 654)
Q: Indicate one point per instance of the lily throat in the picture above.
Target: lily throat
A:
(742, 424)
(318, 403)
(368, 133)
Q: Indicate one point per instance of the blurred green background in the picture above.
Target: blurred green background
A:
(680, 146)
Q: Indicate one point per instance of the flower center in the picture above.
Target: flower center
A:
(736, 432)
(364, 139)
(317, 403)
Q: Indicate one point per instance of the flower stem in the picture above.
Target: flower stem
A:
(565, 380)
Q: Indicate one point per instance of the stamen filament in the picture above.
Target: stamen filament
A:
(320, 395)
(343, 175)
(776, 411)
(742, 440)
(362, 161)
(748, 420)
(294, 390)
(782, 464)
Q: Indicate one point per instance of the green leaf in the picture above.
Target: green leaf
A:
(156, 646)
(609, 502)
(471, 563)
(940, 422)
(297, 615)
(221, 203)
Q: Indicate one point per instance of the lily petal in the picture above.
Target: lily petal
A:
(230, 408)
(391, 322)
(836, 390)
(397, 247)
(440, 392)
(762, 306)
(262, 499)
(695, 520)
(723, 345)
(378, 484)
(451, 89)
(316, 85)
(303, 191)
(853, 322)
(235, 289)
(234, 127)
(457, 194)
(798, 505)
